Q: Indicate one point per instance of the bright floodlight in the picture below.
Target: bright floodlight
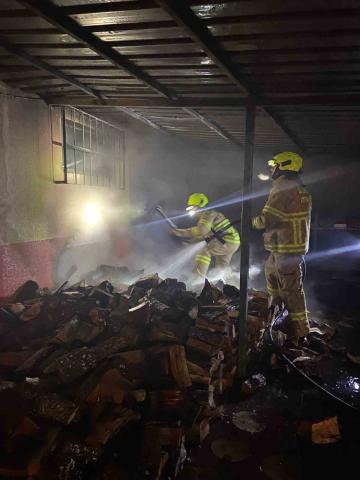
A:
(91, 214)
(263, 177)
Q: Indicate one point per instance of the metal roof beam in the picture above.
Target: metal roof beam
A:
(230, 20)
(285, 128)
(36, 62)
(189, 102)
(19, 13)
(103, 7)
(138, 116)
(211, 125)
(196, 29)
(126, 6)
(127, 27)
(210, 102)
(238, 38)
(53, 14)
(186, 18)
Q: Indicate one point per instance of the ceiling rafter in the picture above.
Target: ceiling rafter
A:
(37, 62)
(132, 113)
(211, 125)
(187, 19)
(207, 21)
(274, 76)
(213, 101)
(53, 15)
(238, 38)
(126, 6)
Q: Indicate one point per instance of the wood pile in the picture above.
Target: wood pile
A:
(100, 384)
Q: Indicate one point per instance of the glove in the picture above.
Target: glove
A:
(178, 232)
(258, 223)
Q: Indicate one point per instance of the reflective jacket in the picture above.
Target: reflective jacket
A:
(286, 217)
(211, 221)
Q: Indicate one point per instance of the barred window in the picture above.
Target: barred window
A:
(85, 149)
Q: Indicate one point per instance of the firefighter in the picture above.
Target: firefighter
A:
(286, 221)
(209, 222)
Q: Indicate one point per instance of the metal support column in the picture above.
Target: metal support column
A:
(245, 235)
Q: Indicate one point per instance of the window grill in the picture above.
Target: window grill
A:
(85, 149)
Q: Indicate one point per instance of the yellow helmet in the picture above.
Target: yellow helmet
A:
(197, 200)
(287, 161)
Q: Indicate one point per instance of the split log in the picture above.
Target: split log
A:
(73, 365)
(128, 339)
(110, 425)
(166, 363)
(166, 332)
(197, 433)
(159, 443)
(109, 389)
(12, 360)
(56, 408)
(201, 347)
(79, 331)
(178, 366)
(211, 326)
(215, 339)
(167, 401)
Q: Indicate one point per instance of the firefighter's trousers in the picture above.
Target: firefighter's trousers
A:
(284, 275)
(222, 252)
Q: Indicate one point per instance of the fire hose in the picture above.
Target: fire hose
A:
(277, 319)
(165, 217)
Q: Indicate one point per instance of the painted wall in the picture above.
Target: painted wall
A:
(41, 234)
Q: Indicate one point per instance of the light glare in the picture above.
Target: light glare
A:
(263, 177)
(91, 214)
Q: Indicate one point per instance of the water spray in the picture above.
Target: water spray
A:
(177, 261)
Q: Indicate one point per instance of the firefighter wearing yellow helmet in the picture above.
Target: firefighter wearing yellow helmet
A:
(210, 222)
(286, 220)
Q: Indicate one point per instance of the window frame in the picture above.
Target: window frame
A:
(115, 148)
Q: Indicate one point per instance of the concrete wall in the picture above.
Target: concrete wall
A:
(41, 234)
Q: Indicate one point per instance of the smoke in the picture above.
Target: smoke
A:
(148, 246)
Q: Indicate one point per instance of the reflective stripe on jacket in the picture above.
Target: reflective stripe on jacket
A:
(211, 220)
(286, 218)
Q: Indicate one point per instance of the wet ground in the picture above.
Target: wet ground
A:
(273, 436)
(340, 378)
(232, 453)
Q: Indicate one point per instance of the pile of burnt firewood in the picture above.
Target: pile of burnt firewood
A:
(106, 385)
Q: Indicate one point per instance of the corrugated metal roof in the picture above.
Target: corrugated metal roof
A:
(133, 53)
